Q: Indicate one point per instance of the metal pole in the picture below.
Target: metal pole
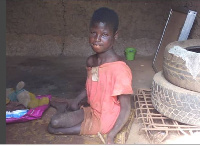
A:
(161, 40)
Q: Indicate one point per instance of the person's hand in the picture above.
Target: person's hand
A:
(110, 139)
(74, 105)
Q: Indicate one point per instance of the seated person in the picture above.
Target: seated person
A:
(108, 86)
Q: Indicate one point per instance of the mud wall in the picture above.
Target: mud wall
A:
(60, 27)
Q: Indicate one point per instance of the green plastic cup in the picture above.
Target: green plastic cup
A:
(130, 53)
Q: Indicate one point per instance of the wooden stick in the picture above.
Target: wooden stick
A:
(101, 137)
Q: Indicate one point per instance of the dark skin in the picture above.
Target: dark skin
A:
(101, 39)
(67, 122)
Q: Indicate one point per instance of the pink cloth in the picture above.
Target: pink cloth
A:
(104, 84)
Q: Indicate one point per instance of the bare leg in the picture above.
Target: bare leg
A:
(67, 119)
(75, 130)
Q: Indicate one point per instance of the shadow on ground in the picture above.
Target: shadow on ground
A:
(62, 77)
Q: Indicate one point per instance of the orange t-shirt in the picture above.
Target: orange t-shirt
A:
(104, 83)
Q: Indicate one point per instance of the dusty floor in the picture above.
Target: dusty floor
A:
(63, 77)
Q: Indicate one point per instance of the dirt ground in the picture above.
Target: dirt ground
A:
(64, 77)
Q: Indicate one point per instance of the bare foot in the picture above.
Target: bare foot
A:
(60, 106)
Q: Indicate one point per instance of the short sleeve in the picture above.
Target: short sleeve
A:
(122, 82)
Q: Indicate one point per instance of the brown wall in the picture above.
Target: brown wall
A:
(60, 27)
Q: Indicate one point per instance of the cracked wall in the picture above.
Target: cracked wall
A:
(60, 27)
